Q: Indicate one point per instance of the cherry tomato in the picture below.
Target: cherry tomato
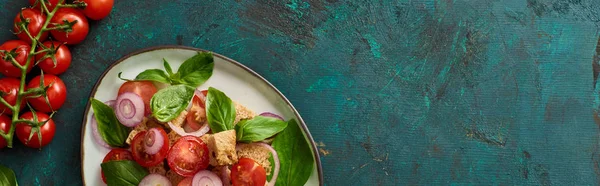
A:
(62, 55)
(79, 30)
(144, 89)
(115, 155)
(57, 93)
(5, 127)
(186, 182)
(6, 67)
(196, 117)
(143, 158)
(188, 155)
(50, 5)
(248, 172)
(36, 22)
(97, 9)
(47, 130)
(10, 86)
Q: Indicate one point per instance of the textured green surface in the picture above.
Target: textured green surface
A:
(481, 92)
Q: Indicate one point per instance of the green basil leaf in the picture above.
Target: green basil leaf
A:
(168, 103)
(153, 75)
(258, 128)
(123, 172)
(295, 156)
(196, 70)
(113, 132)
(7, 176)
(220, 111)
(167, 67)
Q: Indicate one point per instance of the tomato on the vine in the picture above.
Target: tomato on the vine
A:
(247, 172)
(47, 130)
(50, 5)
(116, 155)
(22, 50)
(10, 87)
(78, 31)
(57, 93)
(62, 55)
(188, 155)
(97, 9)
(144, 89)
(143, 158)
(36, 22)
(4, 126)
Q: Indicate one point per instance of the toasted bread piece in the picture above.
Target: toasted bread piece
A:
(158, 169)
(173, 137)
(257, 153)
(241, 112)
(221, 148)
(174, 177)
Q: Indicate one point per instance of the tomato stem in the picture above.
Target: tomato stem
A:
(3, 101)
(41, 51)
(15, 63)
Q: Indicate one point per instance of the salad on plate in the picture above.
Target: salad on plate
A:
(162, 130)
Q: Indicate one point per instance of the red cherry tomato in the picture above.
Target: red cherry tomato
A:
(57, 93)
(5, 127)
(50, 5)
(36, 22)
(79, 30)
(186, 182)
(196, 117)
(248, 173)
(62, 55)
(6, 67)
(97, 9)
(188, 155)
(47, 130)
(143, 158)
(144, 89)
(116, 155)
(10, 86)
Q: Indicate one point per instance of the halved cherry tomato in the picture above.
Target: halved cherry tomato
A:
(22, 50)
(97, 9)
(57, 93)
(143, 158)
(188, 155)
(50, 5)
(78, 31)
(186, 182)
(5, 127)
(47, 130)
(10, 86)
(62, 55)
(248, 173)
(144, 89)
(36, 22)
(115, 155)
(196, 117)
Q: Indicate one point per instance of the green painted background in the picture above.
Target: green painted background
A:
(421, 92)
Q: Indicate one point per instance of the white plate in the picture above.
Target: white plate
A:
(237, 81)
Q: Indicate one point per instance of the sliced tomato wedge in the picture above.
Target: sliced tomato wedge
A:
(115, 155)
(143, 158)
(188, 155)
(196, 117)
(248, 173)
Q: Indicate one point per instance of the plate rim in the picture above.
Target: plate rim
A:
(313, 145)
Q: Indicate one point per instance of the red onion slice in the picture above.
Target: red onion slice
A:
(111, 103)
(275, 161)
(200, 95)
(273, 115)
(129, 109)
(182, 132)
(153, 141)
(226, 175)
(155, 180)
(206, 178)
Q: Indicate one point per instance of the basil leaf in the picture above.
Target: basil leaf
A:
(7, 176)
(295, 156)
(167, 67)
(220, 111)
(154, 75)
(196, 70)
(113, 132)
(168, 103)
(258, 128)
(124, 172)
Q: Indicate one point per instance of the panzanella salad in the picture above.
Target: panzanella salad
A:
(179, 135)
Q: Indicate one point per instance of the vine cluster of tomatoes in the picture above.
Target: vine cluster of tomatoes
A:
(44, 30)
